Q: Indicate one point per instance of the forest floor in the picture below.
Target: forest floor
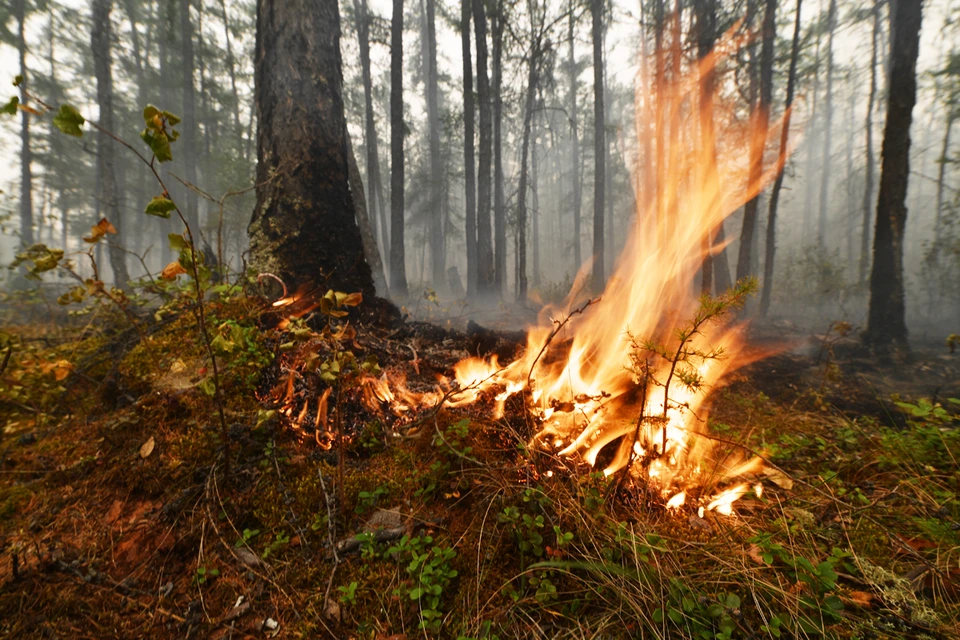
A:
(127, 510)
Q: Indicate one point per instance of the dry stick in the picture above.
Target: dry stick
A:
(6, 360)
(560, 324)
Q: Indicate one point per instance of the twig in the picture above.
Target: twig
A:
(560, 324)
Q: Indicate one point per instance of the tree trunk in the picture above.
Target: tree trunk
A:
(469, 170)
(232, 71)
(574, 131)
(371, 142)
(706, 16)
(535, 201)
(886, 323)
(140, 188)
(522, 187)
(108, 191)
(761, 122)
(943, 160)
(499, 206)
(485, 284)
(778, 183)
(304, 227)
(398, 269)
(26, 156)
(827, 130)
(188, 127)
(437, 247)
(599, 145)
(868, 198)
(367, 236)
(813, 145)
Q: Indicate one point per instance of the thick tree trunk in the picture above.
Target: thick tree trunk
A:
(437, 246)
(868, 196)
(599, 146)
(304, 227)
(26, 154)
(398, 269)
(485, 284)
(469, 169)
(499, 205)
(761, 122)
(886, 323)
(574, 131)
(188, 127)
(108, 190)
(375, 200)
(778, 183)
(827, 130)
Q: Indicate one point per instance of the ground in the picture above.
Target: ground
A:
(128, 510)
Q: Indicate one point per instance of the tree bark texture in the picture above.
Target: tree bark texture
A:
(886, 321)
(304, 227)
(108, 189)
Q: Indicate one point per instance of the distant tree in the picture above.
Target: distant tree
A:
(108, 191)
(188, 127)
(499, 204)
(26, 154)
(485, 279)
(599, 145)
(868, 191)
(436, 212)
(825, 174)
(304, 228)
(886, 318)
(469, 169)
(574, 133)
(778, 182)
(398, 269)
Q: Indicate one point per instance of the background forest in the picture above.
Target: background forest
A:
(501, 146)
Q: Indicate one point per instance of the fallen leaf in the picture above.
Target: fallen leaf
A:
(147, 448)
(332, 610)
(861, 599)
(754, 553)
(778, 478)
(248, 558)
(177, 366)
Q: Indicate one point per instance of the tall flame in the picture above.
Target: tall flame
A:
(577, 364)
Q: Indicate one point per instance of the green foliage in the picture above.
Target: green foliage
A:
(160, 206)
(10, 108)
(204, 574)
(348, 593)
(41, 258)
(368, 500)
(69, 120)
(429, 572)
(159, 132)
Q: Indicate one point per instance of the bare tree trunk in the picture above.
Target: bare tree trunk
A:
(574, 130)
(813, 144)
(232, 71)
(469, 170)
(139, 193)
(943, 160)
(398, 270)
(363, 222)
(827, 130)
(599, 146)
(485, 156)
(26, 155)
(761, 122)
(376, 208)
(499, 206)
(109, 192)
(188, 127)
(535, 201)
(532, 79)
(851, 220)
(304, 227)
(437, 246)
(706, 16)
(868, 196)
(886, 323)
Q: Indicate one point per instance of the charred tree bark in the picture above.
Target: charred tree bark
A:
(868, 197)
(26, 153)
(599, 146)
(398, 269)
(108, 189)
(761, 124)
(469, 169)
(304, 227)
(574, 131)
(485, 156)
(499, 206)
(778, 183)
(886, 321)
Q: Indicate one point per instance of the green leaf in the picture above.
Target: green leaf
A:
(17, 81)
(177, 241)
(158, 142)
(149, 113)
(172, 120)
(160, 207)
(69, 120)
(11, 107)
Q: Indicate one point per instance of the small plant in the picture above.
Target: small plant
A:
(204, 574)
(367, 500)
(246, 537)
(348, 593)
(429, 572)
(280, 540)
